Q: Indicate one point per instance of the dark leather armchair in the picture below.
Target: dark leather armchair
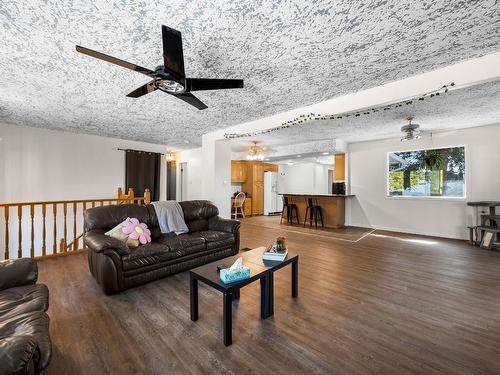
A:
(25, 346)
(117, 267)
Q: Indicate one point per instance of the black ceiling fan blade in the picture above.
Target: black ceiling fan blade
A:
(114, 60)
(199, 84)
(191, 99)
(173, 55)
(143, 90)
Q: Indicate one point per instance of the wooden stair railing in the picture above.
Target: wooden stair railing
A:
(34, 219)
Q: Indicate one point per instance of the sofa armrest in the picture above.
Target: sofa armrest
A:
(224, 225)
(17, 272)
(99, 242)
(16, 354)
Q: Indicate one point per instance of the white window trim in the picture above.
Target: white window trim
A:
(432, 198)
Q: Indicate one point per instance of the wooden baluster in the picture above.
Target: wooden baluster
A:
(54, 213)
(65, 212)
(102, 203)
(93, 204)
(147, 196)
(20, 229)
(44, 231)
(6, 214)
(74, 226)
(32, 220)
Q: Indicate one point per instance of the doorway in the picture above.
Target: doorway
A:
(183, 181)
(171, 178)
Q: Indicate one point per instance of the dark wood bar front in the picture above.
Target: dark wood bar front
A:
(332, 207)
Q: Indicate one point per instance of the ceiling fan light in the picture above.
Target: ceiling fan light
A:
(172, 87)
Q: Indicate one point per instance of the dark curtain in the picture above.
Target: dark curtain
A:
(171, 180)
(142, 170)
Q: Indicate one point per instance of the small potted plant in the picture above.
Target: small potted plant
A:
(280, 244)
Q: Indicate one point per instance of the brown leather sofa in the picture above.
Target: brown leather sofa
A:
(117, 267)
(25, 346)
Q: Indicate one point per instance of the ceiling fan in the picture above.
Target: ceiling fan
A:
(410, 131)
(170, 77)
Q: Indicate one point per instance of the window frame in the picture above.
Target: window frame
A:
(427, 197)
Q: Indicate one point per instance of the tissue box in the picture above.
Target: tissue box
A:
(228, 276)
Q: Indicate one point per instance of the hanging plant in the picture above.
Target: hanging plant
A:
(434, 160)
(301, 119)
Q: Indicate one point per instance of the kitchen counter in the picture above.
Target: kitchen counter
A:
(332, 207)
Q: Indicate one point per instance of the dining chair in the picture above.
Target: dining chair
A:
(237, 207)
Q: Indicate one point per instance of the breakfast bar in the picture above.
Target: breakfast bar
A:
(332, 207)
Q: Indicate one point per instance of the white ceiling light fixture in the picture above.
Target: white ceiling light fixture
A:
(256, 152)
(410, 131)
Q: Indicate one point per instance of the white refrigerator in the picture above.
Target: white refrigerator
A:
(272, 201)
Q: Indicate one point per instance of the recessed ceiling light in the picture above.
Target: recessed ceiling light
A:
(326, 153)
(299, 156)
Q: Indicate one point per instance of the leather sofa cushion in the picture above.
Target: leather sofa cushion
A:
(33, 325)
(184, 244)
(23, 299)
(108, 217)
(217, 239)
(146, 255)
(166, 248)
(198, 209)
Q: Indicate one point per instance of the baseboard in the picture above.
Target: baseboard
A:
(407, 231)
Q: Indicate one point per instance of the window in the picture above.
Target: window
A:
(438, 172)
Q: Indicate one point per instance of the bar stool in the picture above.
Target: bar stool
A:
(290, 208)
(313, 209)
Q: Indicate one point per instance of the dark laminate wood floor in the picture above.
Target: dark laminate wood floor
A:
(388, 303)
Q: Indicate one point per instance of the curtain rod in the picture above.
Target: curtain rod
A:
(143, 152)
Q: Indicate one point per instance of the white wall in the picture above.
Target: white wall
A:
(307, 178)
(439, 217)
(193, 175)
(38, 164)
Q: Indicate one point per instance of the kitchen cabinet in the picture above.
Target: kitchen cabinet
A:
(252, 179)
(258, 198)
(247, 206)
(238, 171)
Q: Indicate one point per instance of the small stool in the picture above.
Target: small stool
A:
(313, 210)
(290, 208)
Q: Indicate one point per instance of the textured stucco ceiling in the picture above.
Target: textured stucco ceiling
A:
(477, 105)
(290, 53)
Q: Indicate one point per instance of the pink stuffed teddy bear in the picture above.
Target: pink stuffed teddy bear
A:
(136, 230)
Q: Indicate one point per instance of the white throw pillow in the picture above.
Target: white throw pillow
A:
(117, 233)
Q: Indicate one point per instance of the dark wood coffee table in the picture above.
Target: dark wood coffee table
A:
(255, 257)
(209, 275)
(260, 270)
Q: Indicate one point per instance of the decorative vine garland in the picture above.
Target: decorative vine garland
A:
(318, 117)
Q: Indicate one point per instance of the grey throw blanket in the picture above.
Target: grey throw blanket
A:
(170, 217)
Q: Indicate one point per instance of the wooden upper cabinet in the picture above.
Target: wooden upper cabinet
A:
(339, 167)
(270, 167)
(238, 171)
